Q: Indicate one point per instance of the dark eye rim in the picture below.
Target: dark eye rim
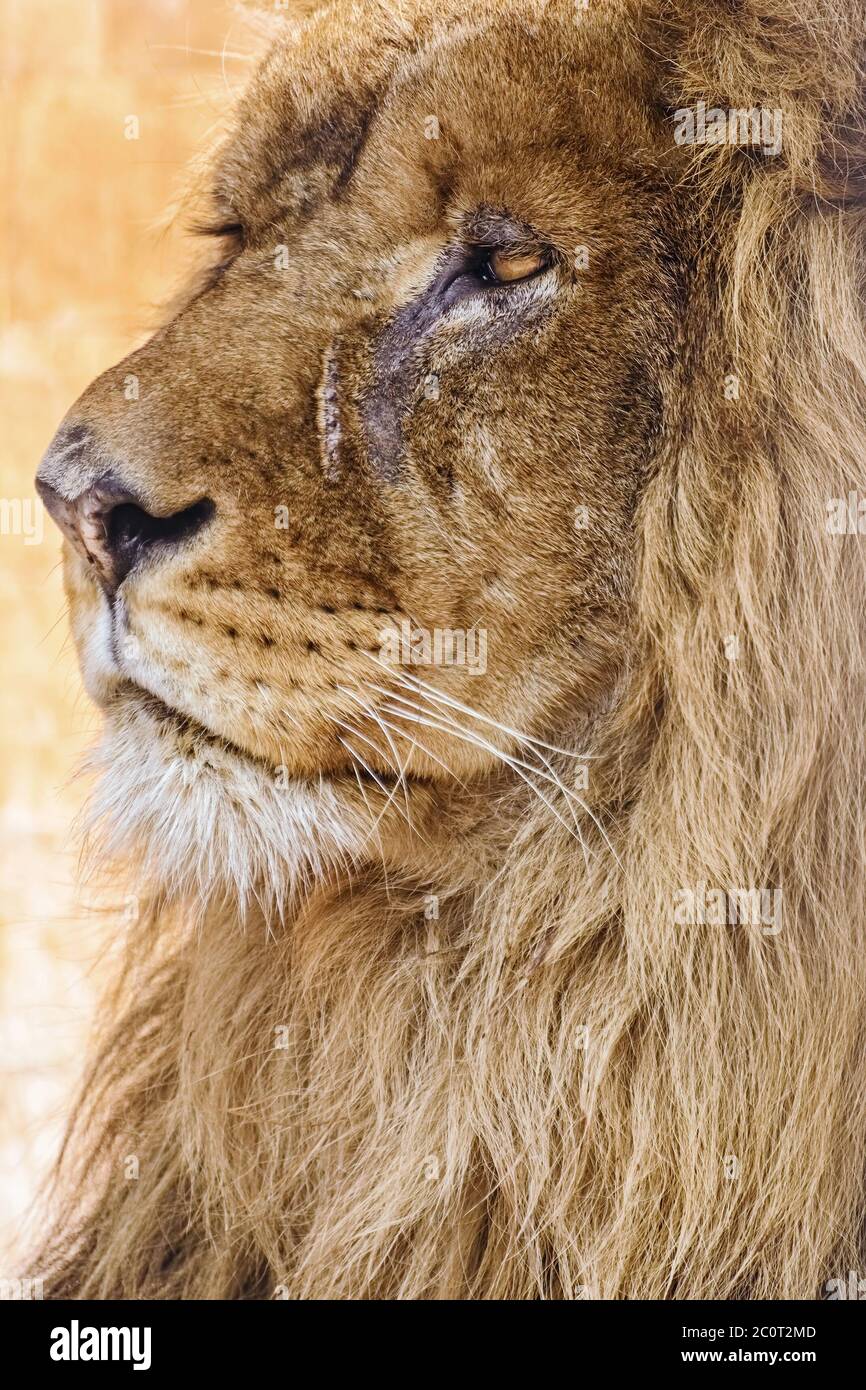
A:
(465, 271)
(228, 229)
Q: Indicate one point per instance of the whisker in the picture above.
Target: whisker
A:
(370, 710)
(381, 785)
(350, 728)
(422, 687)
(201, 52)
(374, 822)
(450, 725)
(531, 745)
(573, 796)
(468, 737)
(416, 743)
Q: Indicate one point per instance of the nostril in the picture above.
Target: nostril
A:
(128, 526)
(119, 533)
(109, 527)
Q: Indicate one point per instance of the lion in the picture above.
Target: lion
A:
(482, 675)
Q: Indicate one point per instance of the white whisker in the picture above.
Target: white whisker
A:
(379, 783)
(371, 711)
(422, 687)
(478, 742)
(201, 52)
(422, 747)
(531, 745)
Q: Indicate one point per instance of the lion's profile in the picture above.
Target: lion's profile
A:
(445, 978)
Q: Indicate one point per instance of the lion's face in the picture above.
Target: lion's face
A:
(403, 425)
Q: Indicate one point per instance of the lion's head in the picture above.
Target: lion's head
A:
(416, 399)
(453, 570)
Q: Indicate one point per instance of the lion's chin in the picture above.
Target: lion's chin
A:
(201, 818)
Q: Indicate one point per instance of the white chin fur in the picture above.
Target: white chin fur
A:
(203, 821)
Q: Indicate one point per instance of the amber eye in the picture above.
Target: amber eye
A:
(505, 268)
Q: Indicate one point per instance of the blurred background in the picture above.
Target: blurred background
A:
(104, 102)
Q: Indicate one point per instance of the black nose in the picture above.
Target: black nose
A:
(108, 526)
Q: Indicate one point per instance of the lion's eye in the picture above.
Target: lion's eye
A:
(504, 268)
(477, 269)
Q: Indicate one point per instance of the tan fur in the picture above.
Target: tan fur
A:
(330, 1090)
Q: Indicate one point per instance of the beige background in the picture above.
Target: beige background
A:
(84, 270)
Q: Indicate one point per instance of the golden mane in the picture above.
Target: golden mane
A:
(554, 1088)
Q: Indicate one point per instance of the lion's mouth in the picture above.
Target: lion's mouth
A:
(180, 723)
(191, 733)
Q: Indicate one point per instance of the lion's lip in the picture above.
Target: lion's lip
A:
(180, 720)
(131, 690)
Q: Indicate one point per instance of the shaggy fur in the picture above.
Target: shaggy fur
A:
(407, 1010)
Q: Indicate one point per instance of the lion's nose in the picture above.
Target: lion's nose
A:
(109, 526)
(114, 533)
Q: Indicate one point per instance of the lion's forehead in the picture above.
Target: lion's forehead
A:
(436, 94)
